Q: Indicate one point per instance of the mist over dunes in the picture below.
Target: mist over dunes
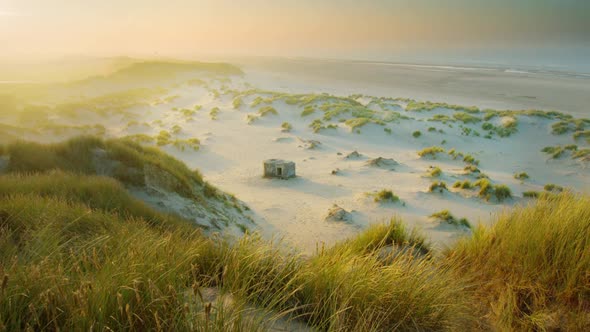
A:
(327, 28)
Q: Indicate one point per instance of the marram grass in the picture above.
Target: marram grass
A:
(77, 252)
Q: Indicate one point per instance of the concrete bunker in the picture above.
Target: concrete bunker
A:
(278, 168)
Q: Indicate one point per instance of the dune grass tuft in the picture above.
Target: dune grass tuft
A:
(446, 216)
(385, 195)
(531, 266)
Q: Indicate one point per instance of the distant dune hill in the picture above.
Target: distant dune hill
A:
(168, 69)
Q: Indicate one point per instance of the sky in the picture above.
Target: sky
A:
(321, 28)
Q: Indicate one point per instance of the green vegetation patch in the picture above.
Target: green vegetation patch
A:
(266, 110)
(439, 186)
(446, 216)
(431, 151)
(385, 195)
(79, 155)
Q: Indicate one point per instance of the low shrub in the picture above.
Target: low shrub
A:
(521, 176)
(385, 195)
(446, 216)
(435, 172)
(439, 186)
(431, 151)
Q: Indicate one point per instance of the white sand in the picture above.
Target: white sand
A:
(232, 154)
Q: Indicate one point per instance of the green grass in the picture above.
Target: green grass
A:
(582, 134)
(77, 252)
(435, 172)
(439, 186)
(487, 190)
(560, 128)
(356, 122)
(502, 192)
(308, 110)
(466, 184)
(266, 110)
(531, 266)
(469, 159)
(316, 125)
(471, 169)
(446, 216)
(77, 155)
(558, 151)
(582, 153)
(286, 127)
(521, 176)
(385, 195)
(553, 187)
(431, 151)
(163, 138)
(417, 134)
(214, 112)
(466, 117)
(237, 102)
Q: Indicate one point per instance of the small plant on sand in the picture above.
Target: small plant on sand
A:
(250, 118)
(356, 122)
(257, 101)
(582, 134)
(439, 186)
(502, 192)
(446, 216)
(455, 154)
(531, 194)
(316, 125)
(286, 127)
(560, 128)
(309, 109)
(417, 134)
(487, 126)
(435, 172)
(466, 117)
(163, 138)
(521, 176)
(553, 188)
(582, 153)
(470, 160)
(213, 113)
(471, 169)
(385, 195)
(266, 110)
(558, 150)
(466, 184)
(485, 188)
(387, 130)
(554, 151)
(431, 151)
(237, 102)
(176, 129)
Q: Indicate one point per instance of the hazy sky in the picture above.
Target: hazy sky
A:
(285, 27)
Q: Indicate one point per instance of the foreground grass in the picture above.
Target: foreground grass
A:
(77, 252)
(532, 266)
(69, 266)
